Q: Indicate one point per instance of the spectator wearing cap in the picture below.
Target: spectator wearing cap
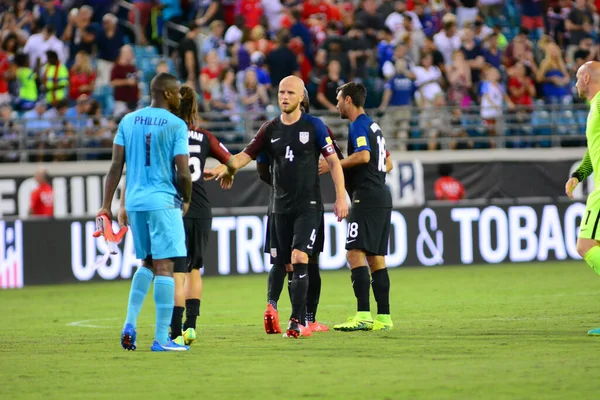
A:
(53, 15)
(38, 45)
(124, 80)
(187, 53)
(82, 78)
(282, 62)
(579, 23)
(215, 41)
(26, 78)
(80, 32)
(110, 40)
(447, 41)
(327, 91)
(54, 78)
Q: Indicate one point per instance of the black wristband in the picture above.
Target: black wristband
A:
(577, 174)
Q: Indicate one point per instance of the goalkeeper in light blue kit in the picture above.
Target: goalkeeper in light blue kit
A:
(152, 141)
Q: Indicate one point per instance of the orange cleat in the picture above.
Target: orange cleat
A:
(318, 327)
(295, 330)
(271, 320)
(305, 331)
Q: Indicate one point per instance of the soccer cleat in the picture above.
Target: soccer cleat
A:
(594, 332)
(362, 321)
(318, 327)
(272, 320)
(383, 322)
(171, 345)
(128, 337)
(189, 335)
(296, 330)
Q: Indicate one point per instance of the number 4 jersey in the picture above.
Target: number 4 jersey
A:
(294, 150)
(202, 144)
(368, 180)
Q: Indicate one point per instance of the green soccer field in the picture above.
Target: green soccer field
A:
(491, 332)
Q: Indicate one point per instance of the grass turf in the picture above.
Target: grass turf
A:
(495, 332)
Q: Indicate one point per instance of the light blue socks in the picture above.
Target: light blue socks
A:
(164, 298)
(140, 285)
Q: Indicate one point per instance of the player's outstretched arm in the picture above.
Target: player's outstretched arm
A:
(112, 179)
(340, 208)
(184, 180)
(581, 173)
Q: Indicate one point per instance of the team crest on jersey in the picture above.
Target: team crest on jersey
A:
(274, 252)
(304, 136)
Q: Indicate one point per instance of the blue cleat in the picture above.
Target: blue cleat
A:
(594, 332)
(128, 341)
(169, 346)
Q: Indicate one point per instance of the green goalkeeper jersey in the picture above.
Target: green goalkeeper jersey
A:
(591, 159)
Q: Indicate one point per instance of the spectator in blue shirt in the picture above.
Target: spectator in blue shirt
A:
(398, 93)
(299, 29)
(492, 54)
(109, 42)
(385, 48)
(53, 15)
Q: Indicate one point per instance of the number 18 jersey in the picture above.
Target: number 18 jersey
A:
(368, 180)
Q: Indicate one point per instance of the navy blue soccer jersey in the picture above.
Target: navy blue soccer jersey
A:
(367, 181)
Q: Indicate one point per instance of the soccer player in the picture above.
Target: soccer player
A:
(588, 246)
(294, 141)
(280, 268)
(198, 220)
(152, 141)
(370, 214)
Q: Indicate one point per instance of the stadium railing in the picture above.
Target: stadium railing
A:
(540, 126)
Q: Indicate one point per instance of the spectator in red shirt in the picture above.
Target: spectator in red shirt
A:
(446, 187)
(521, 88)
(252, 10)
(124, 80)
(82, 76)
(42, 198)
(4, 72)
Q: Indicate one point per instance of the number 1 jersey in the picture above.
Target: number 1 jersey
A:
(368, 180)
(152, 137)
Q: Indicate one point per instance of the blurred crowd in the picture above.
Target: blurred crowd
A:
(69, 70)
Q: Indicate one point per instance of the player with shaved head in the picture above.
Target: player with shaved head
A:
(294, 141)
(588, 245)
